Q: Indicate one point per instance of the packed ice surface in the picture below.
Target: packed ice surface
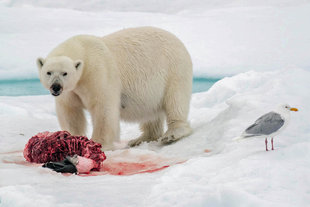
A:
(223, 37)
(217, 171)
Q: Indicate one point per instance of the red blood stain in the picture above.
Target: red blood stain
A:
(19, 162)
(12, 152)
(130, 168)
(112, 166)
(14, 157)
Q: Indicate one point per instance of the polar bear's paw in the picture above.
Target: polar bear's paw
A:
(168, 139)
(138, 141)
(135, 142)
(174, 135)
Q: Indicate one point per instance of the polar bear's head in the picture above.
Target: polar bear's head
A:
(59, 74)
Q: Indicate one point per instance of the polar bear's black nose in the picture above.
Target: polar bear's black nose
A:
(56, 89)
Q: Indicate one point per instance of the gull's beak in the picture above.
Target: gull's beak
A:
(293, 109)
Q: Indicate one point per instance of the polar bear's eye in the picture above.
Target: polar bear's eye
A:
(65, 74)
(49, 73)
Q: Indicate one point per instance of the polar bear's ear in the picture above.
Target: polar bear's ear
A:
(40, 62)
(78, 64)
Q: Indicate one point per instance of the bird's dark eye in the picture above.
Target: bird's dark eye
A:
(49, 73)
(65, 74)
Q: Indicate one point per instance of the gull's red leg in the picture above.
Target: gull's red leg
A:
(266, 143)
(272, 143)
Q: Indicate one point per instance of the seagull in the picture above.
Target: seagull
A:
(269, 125)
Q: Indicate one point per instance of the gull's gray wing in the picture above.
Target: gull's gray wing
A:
(266, 124)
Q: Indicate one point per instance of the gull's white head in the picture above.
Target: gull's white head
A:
(286, 108)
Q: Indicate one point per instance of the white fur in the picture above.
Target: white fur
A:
(140, 75)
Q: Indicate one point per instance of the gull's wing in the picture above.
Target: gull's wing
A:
(265, 125)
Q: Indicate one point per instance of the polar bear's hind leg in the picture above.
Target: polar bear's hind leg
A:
(177, 100)
(151, 131)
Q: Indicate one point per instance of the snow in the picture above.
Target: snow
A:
(223, 37)
(230, 174)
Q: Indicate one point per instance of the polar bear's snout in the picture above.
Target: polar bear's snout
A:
(56, 89)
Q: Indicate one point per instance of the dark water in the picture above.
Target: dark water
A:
(34, 87)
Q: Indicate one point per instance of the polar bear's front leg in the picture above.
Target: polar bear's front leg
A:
(70, 114)
(106, 126)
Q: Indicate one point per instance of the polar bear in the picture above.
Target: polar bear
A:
(138, 75)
